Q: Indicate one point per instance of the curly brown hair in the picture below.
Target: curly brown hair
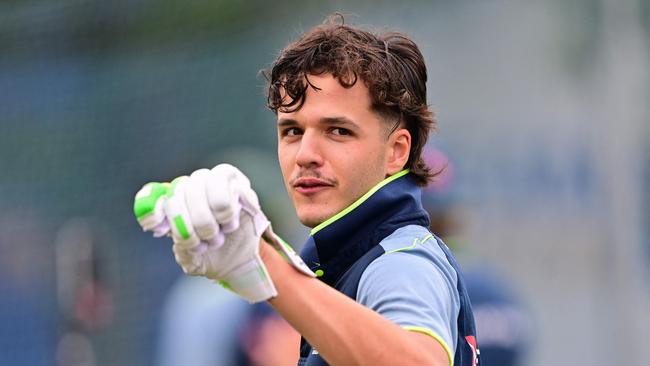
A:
(390, 64)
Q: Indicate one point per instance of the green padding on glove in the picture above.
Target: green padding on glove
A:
(147, 197)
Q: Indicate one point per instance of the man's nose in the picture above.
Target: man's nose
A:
(309, 154)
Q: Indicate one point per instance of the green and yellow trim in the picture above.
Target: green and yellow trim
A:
(358, 202)
(226, 285)
(286, 245)
(435, 336)
(416, 241)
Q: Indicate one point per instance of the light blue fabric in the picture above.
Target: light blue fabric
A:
(413, 284)
(200, 324)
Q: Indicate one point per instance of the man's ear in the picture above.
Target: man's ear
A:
(398, 149)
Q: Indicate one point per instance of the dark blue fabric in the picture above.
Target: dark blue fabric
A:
(343, 250)
(465, 355)
(337, 246)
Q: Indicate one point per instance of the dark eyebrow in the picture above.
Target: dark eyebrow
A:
(287, 122)
(338, 121)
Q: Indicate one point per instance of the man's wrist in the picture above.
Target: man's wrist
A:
(267, 252)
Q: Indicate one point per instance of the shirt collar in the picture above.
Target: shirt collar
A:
(334, 245)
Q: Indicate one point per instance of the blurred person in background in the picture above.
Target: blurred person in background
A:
(352, 122)
(266, 339)
(204, 325)
(200, 325)
(502, 323)
(28, 327)
(84, 289)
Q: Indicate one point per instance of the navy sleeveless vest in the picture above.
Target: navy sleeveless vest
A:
(341, 251)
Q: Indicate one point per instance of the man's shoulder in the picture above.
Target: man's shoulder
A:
(404, 238)
(413, 241)
(413, 284)
(412, 250)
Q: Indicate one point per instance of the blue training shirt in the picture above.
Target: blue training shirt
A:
(413, 285)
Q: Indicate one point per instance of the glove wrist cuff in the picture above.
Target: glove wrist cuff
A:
(251, 281)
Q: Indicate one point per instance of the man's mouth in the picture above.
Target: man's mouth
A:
(310, 186)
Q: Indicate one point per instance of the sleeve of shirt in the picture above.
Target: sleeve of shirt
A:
(415, 292)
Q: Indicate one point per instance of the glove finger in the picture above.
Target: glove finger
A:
(184, 259)
(148, 207)
(199, 249)
(248, 198)
(250, 204)
(196, 201)
(223, 196)
(161, 229)
(179, 218)
(217, 241)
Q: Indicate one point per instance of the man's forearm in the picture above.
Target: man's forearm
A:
(341, 330)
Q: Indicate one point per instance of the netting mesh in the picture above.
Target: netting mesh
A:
(97, 99)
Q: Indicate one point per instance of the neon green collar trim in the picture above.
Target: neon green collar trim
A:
(358, 202)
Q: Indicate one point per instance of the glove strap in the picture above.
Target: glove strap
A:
(251, 281)
(288, 253)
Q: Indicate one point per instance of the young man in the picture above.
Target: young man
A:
(352, 120)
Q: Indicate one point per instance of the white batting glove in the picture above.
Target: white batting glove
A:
(216, 223)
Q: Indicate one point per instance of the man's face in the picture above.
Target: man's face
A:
(332, 150)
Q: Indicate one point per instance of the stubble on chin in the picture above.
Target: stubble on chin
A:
(311, 220)
(310, 223)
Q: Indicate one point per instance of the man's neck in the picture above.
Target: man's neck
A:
(358, 202)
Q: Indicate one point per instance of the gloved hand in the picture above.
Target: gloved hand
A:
(216, 223)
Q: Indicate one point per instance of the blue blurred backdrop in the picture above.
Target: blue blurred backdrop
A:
(542, 107)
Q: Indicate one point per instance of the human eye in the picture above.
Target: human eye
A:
(290, 132)
(339, 131)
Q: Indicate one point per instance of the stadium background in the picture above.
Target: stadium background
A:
(543, 107)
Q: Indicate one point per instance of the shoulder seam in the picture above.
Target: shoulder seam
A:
(416, 241)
